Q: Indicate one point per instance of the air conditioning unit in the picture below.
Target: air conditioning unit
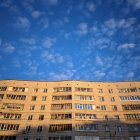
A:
(98, 107)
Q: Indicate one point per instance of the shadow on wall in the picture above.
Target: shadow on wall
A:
(108, 129)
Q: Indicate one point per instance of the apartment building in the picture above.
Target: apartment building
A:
(69, 110)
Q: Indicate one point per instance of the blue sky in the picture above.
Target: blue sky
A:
(92, 40)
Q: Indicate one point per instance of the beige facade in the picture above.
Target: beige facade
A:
(69, 110)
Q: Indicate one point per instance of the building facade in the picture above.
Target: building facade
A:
(69, 110)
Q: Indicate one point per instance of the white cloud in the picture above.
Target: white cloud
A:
(67, 75)
(52, 57)
(28, 5)
(53, 2)
(67, 35)
(94, 29)
(59, 23)
(59, 58)
(130, 75)
(134, 3)
(122, 23)
(103, 42)
(8, 4)
(44, 22)
(16, 63)
(28, 62)
(36, 14)
(111, 23)
(99, 74)
(90, 6)
(8, 48)
(48, 42)
(48, 56)
(69, 9)
(82, 28)
(22, 22)
(31, 67)
(70, 64)
(126, 23)
(30, 41)
(32, 71)
(25, 52)
(126, 46)
(99, 61)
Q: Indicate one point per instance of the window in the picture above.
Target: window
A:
(20, 89)
(116, 117)
(7, 137)
(107, 138)
(60, 138)
(80, 89)
(106, 127)
(112, 99)
(85, 106)
(62, 89)
(131, 107)
(15, 97)
(60, 127)
(84, 97)
(129, 98)
(86, 137)
(86, 127)
(10, 116)
(1, 96)
(114, 108)
(101, 99)
(44, 98)
(39, 129)
(34, 98)
(132, 116)
(35, 90)
(12, 127)
(61, 116)
(110, 90)
(127, 90)
(133, 127)
(42, 107)
(61, 106)
(118, 128)
(41, 117)
(38, 139)
(135, 138)
(3, 88)
(82, 116)
(12, 106)
(45, 90)
(100, 90)
(105, 117)
(32, 107)
(68, 97)
(103, 107)
(28, 128)
(30, 117)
